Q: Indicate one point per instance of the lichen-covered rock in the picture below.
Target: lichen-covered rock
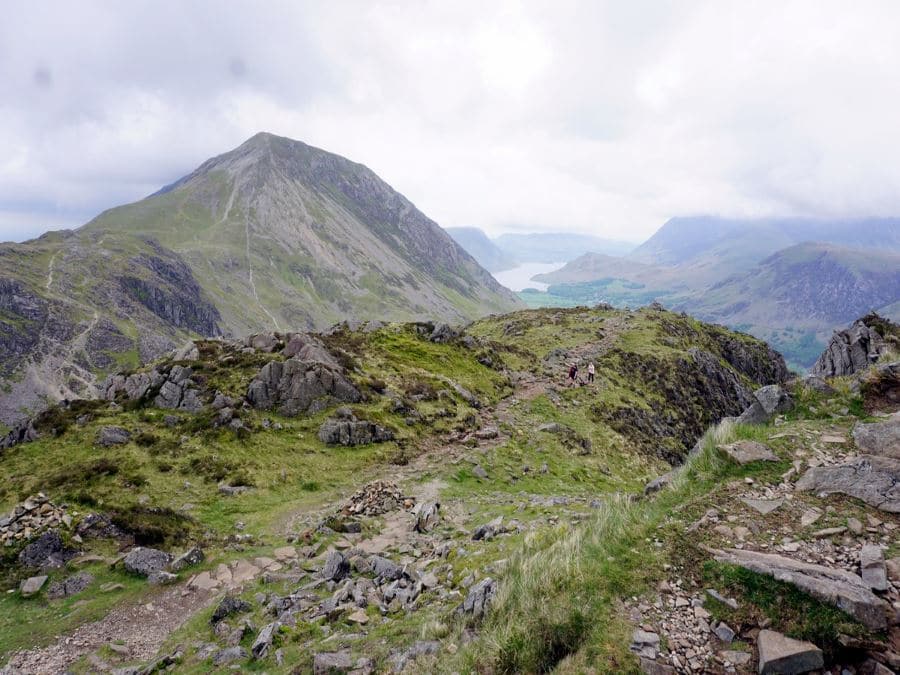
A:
(353, 432)
(336, 566)
(46, 551)
(850, 351)
(112, 435)
(879, 438)
(478, 601)
(70, 586)
(874, 480)
(230, 605)
(144, 561)
(293, 387)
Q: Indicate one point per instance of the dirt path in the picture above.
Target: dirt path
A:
(143, 628)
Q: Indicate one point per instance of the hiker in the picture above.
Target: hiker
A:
(591, 372)
(573, 373)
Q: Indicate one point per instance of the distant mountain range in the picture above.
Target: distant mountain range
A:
(275, 234)
(509, 250)
(789, 281)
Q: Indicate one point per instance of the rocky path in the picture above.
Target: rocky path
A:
(141, 628)
(144, 627)
(833, 550)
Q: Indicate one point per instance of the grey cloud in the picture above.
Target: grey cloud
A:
(602, 117)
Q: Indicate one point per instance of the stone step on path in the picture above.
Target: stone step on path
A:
(239, 572)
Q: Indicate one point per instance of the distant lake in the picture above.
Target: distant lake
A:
(519, 278)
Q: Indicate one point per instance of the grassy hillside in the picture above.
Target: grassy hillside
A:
(466, 417)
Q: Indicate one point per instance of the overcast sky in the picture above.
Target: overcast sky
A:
(580, 116)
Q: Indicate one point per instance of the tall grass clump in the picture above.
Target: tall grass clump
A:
(562, 589)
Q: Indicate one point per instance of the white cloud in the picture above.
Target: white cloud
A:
(598, 117)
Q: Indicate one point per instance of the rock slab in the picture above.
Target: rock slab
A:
(837, 587)
(874, 480)
(744, 452)
(786, 656)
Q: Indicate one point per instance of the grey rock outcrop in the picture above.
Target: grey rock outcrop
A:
(144, 561)
(174, 389)
(428, 515)
(879, 438)
(744, 452)
(872, 569)
(336, 566)
(294, 387)
(109, 436)
(32, 585)
(478, 601)
(305, 347)
(837, 587)
(849, 351)
(874, 480)
(70, 586)
(353, 432)
(264, 639)
(230, 605)
(46, 551)
(786, 656)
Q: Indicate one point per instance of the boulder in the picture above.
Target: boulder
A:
(837, 587)
(189, 558)
(71, 586)
(645, 644)
(109, 436)
(32, 585)
(45, 551)
(443, 333)
(786, 656)
(331, 663)
(659, 483)
(308, 348)
(229, 655)
(353, 432)
(774, 399)
(753, 414)
(849, 351)
(744, 452)
(336, 566)
(874, 480)
(478, 601)
(263, 640)
(879, 438)
(295, 386)
(230, 605)
(872, 568)
(144, 561)
(385, 569)
(428, 515)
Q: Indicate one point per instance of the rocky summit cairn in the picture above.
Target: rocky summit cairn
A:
(31, 517)
(852, 350)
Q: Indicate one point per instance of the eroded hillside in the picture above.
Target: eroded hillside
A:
(402, 496)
